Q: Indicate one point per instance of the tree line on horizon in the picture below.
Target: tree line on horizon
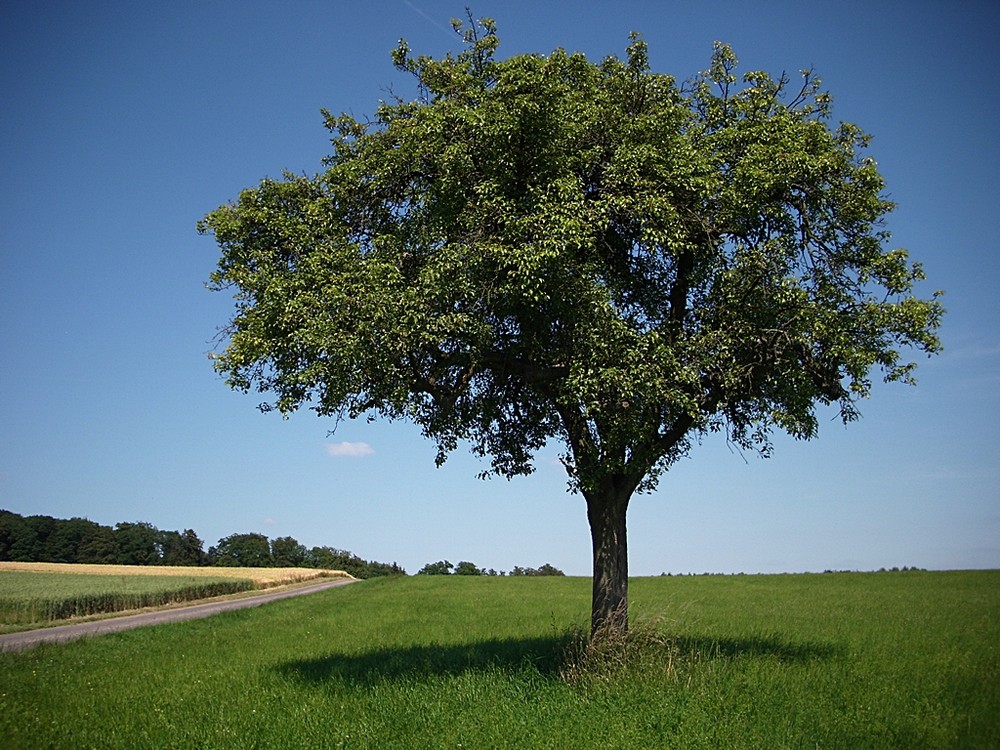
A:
(466, 568)
(41, 538)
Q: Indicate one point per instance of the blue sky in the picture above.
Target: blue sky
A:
(124, 123)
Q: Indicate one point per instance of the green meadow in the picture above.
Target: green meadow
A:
(878, 660)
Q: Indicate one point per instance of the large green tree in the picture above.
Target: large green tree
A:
(545, 247)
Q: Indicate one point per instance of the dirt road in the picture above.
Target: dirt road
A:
(29, 638)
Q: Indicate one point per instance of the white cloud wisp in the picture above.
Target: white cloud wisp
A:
(352, 450)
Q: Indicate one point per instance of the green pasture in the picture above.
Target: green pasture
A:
(883, 660)
(42, 598)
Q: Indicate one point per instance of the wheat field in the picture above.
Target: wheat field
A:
(39, 594)
(262, 577)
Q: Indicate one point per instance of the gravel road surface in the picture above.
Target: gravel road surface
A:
(29, 638)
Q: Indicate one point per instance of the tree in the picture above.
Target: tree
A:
(440, 568)
(68, 538)
(169, 545)
(16, 539)
(181, 549)
(243, 551)
(192, 549)
(549, 570)
(323, 557)
(374, 569)
(286, 552)
(330, 558)
(466, 568)
(138, 543)
(99, 546)
(545, 570)
(545, 247)
(32, 547)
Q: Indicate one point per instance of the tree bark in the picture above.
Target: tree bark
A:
(606, 513)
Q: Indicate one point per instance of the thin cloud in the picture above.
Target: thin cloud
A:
(430, 19)
(353, 450)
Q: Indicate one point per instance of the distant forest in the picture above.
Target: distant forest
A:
(79, 540)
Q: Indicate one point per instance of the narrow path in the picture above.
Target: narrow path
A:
(29, 638)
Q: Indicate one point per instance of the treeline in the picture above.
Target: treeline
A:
(466, 568)
(257, 551)
(79, 540)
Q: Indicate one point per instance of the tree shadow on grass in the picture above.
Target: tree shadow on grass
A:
(547, 656)
(410, 662)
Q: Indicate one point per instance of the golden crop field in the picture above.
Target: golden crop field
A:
(42, 593)
(262, 577)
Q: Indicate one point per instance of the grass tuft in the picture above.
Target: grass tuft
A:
(613, 654)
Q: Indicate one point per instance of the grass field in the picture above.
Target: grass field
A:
(43, 593)
(893, 660)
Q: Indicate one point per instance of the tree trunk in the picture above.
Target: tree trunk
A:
(609, 613)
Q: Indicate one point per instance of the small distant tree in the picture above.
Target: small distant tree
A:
(547, 248)
(379, 569)
(330, 558)
(544, 570)
(466, 568)
(440, 568)
(549, 570)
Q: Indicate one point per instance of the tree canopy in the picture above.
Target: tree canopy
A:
(545, 247)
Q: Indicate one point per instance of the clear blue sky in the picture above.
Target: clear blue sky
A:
(124, 123)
